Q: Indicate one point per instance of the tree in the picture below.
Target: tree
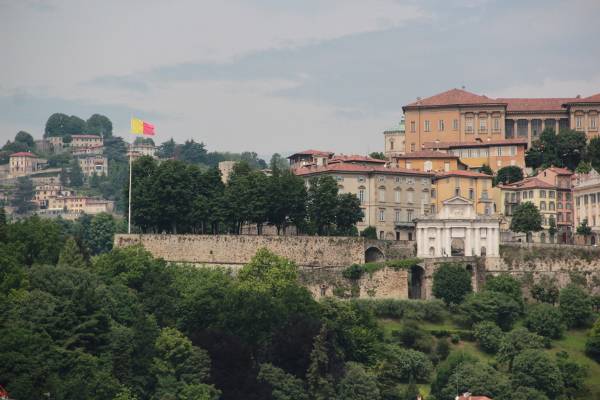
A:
(523, 393)
(74, 126)
(505, 283)
(75, 174)
(377, 155)
(99, 125)
(2, 224)
(283, 385)
(99, 238)
(545, 290)
(446, 369)
(167, 149)
(322, 203)
(571, 147)
(370, 232)
(347, 214)
(584, 167)
(357, 384)
(402, 365)
(319, 375)
(573, 375)
(23, 196)
(451, 283)
(56, 125)
(533, 368)
(478, 378)
(70, 255)
(192, 152)
(545, 320)
(485, 169)
(515, 342)
(278, 163)
(552, 228)
(491, 306)
(575, 306)
(412, 391)
(488, 336)
(526, 218)
(592, 345)
(509, 174)
(584, 230)
(25, 138)
(593, 153)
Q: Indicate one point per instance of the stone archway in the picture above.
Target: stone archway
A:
(593, 240)
(373, 254)
(457, 247)
(416, 278)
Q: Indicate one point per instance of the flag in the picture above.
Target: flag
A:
(139, 127)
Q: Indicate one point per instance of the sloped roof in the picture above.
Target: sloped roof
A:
(528, 183)
(87, 136)
(453, 97)
(23, 154)
(535, 104)
(483, 143)
(356, 158)
(426, 154)
(465, 173)
(560, 171)
(312, 152)
(357, 168)
(595, 98)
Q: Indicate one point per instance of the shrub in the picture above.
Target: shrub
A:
(535, 369)
(442, 349)
(545, 291)
(455, 338)
(592, 345)
(545, 320)
(491, 306)
(575, 306)
(451, 283)
(505, 283)
(515, 342)
(421, 310)
(399, 365)
(370, 232)
(488, 336)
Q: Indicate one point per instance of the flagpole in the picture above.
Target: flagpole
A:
(129, 212)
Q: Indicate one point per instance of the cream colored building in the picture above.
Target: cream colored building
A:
(94, 164)
(395, 141)
(44, 192)
(586, 192)
(78, 141)
(391, 198)
(79, 205)
(457, 231)
(23, 164)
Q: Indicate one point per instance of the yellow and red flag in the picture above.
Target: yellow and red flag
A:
(139, 127)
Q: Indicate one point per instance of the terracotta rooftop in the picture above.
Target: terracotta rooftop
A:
(426, 154)
(528, 183)
(453, 97)
(355, 158)
(535, 104)
(483, 143)
(560, 171)
(465, 173)
(23, 154)
(590, 99)
(312, 152)
(86, 136)
(358, 168)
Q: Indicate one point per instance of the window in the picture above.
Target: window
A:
(381, 194)
(568, 206)
(413, 126)
(568, 196)
(361, 195)
(412, 147)
(381, 235)
(361, 178)
(499, 151)
(381, 214)
(339, 178)
(391, 145)
(441, 125)
(398, 179)
(410, 196)
(551, 194)
(578, 122)
(408, 164)
(427, 126)
(513, 150)
(542, 205)
(559, 196)
(559, 205)
(496, 124)
(593, 198)
(427, 166)
(424, 181)
(410, 181)
(593, 122)
(471, 194)
(469, 124)
(447, 166)
(409, 215)
(551, 205)
(397, 215)
(585, 199)
(381, 179)
(543, 194)
(457, 191)
(455, 124)
(482, 125)
(567, 217)
(484, 152)
(524, 195)
(433, 193)
(397, 196)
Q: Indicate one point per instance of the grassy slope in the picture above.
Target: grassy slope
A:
(573, 343)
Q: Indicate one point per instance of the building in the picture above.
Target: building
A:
(56, 143)
(43, 146)
(138, 150)
(78, 205)
(394, 140)
(226, 168)
(469, 396)
(428, 161)
(473, 186)
(87, 151)
(493, 153)
(457, 231)
(44, 192)
(391, 198)
(78, 141)
(24, 163)
(550, 192)
(460, 116)
(306, 157)
(94, 164)
(586, 192)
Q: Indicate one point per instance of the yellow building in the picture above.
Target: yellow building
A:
(460, 116)
(471, 185)
(428, 161)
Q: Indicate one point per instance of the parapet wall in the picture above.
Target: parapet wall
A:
(305, 251)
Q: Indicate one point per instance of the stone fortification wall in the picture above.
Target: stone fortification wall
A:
(305, 251)
(564, 263)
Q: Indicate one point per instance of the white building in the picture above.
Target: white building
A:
(457, 231)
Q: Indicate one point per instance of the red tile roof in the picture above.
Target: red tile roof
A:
(312, 152)
(560, 171)
(356, 168)
(356, 158)
(465, 173)
(86, 136)
(528, 183)
(453, 97)
(426, 154)
(590, 99)
(483, 143)
(535, 104)
(23, 154)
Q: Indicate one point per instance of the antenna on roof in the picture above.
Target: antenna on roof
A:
(418, 98)
(463, 87)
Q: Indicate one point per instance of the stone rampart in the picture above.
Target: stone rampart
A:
(305, 251)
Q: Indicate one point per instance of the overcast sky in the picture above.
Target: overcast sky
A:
(282, 75)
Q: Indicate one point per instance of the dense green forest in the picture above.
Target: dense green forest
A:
(79, 320)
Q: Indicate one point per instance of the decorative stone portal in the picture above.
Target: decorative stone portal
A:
(457, 231)
(373, 254)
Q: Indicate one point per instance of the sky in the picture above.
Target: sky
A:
(282, 75)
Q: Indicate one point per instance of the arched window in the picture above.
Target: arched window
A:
(432, 251)
(542, 205)
(483, 251)
(543, 237)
